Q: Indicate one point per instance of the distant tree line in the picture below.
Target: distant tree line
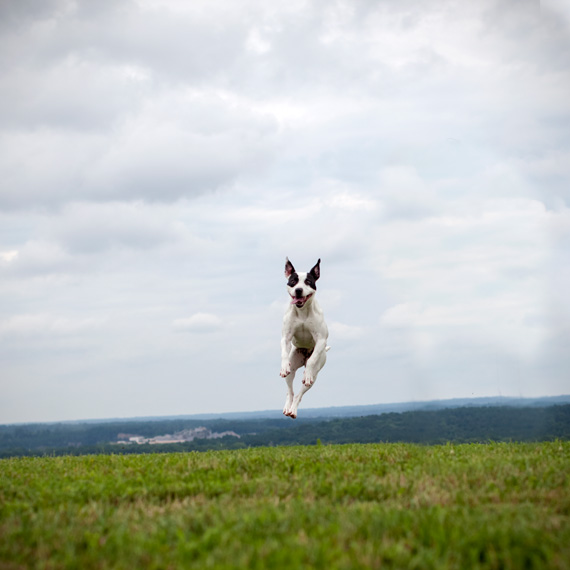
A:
(456, 425)
(76, 437)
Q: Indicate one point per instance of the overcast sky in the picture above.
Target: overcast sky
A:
(159, 159)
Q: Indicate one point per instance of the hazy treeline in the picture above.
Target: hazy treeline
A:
(457, 425)
(30, 437)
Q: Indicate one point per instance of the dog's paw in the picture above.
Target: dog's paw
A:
(285, 371)
(308, 380)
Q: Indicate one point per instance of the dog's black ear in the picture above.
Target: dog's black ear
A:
(316, 271)
(289, 269)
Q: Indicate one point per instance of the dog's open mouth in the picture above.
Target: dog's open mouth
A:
(300, 301)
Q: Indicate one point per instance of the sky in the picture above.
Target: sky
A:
(160, 159)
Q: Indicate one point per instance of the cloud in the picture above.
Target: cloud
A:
(137, 118)
(71, 95)
(199, 322)
(8, 256)
(38, 257)
(47, 325)
(164, 153)
(167, 157)
(344, 332)
(90, 228)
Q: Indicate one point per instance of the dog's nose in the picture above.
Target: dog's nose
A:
(298, 292)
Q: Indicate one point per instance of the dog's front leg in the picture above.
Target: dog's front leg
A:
(290, 394)
(289, 380)
(285, 351)
(296, 360)
(315, 362)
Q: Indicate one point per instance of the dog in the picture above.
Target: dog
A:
(305, 334)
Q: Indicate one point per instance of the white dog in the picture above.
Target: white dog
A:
(305, 334)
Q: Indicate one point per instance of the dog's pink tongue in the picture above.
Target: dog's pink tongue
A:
(294, 301)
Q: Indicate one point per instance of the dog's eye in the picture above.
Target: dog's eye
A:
(310, 283)
(293, 280)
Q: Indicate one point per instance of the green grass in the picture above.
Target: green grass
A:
(343, 506)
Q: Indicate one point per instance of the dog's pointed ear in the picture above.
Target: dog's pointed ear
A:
(316, 271)
(289, 269)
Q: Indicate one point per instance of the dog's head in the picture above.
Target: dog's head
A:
(301, 286)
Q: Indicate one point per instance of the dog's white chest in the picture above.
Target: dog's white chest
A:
(303, 336)
(305, 327)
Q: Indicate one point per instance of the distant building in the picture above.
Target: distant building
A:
(178, 437)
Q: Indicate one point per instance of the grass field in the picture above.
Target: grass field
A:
(342, 506)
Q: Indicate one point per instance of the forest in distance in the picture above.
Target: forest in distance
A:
(454, 425)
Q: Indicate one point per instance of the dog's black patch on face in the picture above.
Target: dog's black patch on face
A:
(310, 282)
(293, 280)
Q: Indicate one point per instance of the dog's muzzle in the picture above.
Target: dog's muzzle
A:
(300, 301)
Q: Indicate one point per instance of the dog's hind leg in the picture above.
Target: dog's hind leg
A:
(297, 400)
(296, 360)
(315, 363)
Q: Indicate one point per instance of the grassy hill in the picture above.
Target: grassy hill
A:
(500, 505)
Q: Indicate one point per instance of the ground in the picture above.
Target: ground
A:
(341, 506)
